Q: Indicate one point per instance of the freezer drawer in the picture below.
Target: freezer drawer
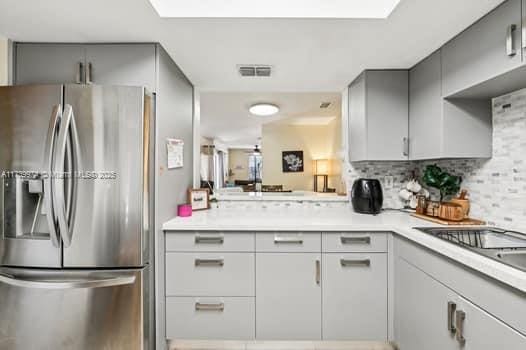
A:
(81, 310)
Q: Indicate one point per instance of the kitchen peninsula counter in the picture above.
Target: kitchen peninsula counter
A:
(342, 220)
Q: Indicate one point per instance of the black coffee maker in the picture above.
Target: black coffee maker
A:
(367, 196)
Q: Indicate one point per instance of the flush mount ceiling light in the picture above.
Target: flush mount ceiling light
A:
(263, 109)
(275, 8)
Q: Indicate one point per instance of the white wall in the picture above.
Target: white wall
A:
(238, 163)
(3, 61)
(316, 142)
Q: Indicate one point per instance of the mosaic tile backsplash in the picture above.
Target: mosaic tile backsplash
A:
(399, 171)
(497, 186)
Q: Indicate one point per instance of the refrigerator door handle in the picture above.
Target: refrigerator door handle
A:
(48, 178)
(41, 283)
(74, 148)
(59, 196)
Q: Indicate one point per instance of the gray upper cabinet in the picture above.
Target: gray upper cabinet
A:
(48, 63)
(425, 109)
(357, 120)
(489, 48)
(445, 128)
(103, 64)
(378, 116)
(122, 64)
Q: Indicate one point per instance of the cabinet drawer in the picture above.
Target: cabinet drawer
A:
(210, 318)
(210, 242)
(288, 242)
(355, 242)
(210, 274)
(355, 296)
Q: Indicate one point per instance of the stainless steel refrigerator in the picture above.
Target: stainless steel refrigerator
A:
(76, 217)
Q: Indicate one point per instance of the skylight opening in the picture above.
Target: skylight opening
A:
(374, 9)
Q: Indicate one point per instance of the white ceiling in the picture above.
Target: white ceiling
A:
(307, 54)
(275, 8)
(225, 116)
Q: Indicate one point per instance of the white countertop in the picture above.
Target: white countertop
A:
(281, 196)
(343, 219)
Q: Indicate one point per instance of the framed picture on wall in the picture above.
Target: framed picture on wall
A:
(292, 161)
(199, 199)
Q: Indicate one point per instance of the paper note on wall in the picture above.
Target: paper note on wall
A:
(175, 150)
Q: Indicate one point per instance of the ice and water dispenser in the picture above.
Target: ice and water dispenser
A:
(24, 212)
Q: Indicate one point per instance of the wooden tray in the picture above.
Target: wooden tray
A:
(437, 220)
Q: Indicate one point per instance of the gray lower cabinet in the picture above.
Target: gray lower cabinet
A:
(288, 242)
(489, 48)
(218, 318)
(48, 63)
(103, 64)
(421, 310)
(288, 296)
(354, 242)
(482, 331)
(355, 296)
(210, 274)
(210, 242)
(378, 112)
(429, 315)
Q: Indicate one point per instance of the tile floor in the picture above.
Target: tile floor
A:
(277, 345)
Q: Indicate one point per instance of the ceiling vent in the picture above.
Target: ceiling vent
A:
(255, 70)
(263, 71)
(325, 105)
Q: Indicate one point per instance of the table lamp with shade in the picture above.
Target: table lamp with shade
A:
(321, 168)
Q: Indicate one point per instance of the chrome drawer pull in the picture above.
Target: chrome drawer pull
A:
(451, 308)
(318, 272)
(460, 318)
(355, 240)
(220, 239)
(405, 146)
(287, 240)
(510, 40)
(210, 307)
(209, 262)
(351, 263)
(80, 70)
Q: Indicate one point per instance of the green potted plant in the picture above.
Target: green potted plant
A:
(448, 185)
(444, 182)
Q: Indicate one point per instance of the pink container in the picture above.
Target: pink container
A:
(184, 210)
